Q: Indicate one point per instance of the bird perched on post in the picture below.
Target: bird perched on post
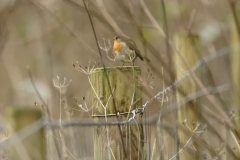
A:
(125, 50)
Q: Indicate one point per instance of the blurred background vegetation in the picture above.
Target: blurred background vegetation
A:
(47, 36)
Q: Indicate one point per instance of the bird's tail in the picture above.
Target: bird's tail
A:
(146, 59)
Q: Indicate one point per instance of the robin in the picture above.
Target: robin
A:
(125, 49)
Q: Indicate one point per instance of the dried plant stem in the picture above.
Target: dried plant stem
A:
(108, 17)
(82, 42)
(167, 34)
(108, 83)
(236, 20)
(188, 143)
(46, 106)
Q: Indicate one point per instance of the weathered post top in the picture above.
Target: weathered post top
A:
(126, 88)
(125, 85)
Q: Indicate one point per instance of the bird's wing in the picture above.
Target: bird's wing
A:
(131, 45)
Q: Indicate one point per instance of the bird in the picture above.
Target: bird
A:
(125, 50)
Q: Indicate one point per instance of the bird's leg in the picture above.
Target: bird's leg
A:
(132, 63)
(123, 64)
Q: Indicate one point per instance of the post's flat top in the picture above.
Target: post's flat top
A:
(136, 68)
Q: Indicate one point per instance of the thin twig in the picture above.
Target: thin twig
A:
(108, 17)
(188, 143)
(47, 109)
(65, 25)
(167, 34)
(105, 71)
(233, 9)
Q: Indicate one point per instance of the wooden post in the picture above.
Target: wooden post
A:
(126, 88)
(32, 146)
(235, 68)
(189, 47)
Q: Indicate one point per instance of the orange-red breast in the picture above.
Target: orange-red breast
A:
(126, 50)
